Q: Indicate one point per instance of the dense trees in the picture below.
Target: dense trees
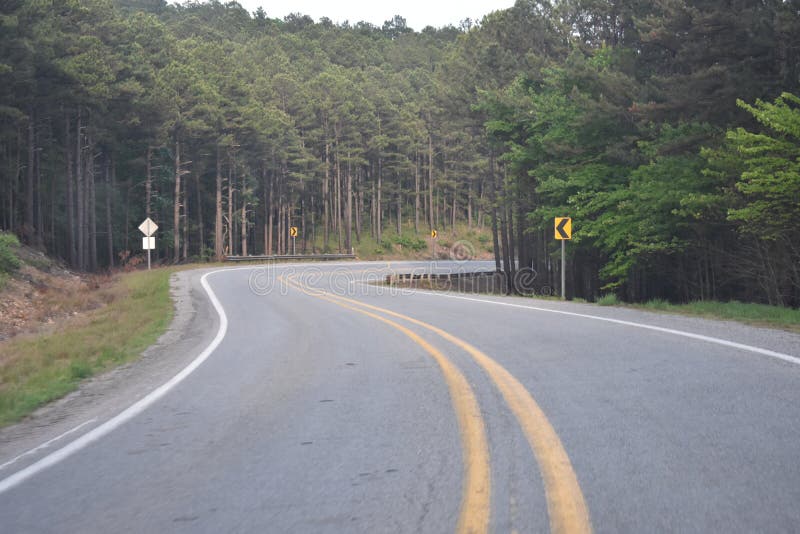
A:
(228, 128)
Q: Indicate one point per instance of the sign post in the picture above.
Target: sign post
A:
(148, 228)
(434, 233)
(293, 235)
(563, 231)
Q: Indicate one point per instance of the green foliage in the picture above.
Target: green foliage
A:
(413, 243)
(613, 114)
(8, 259)
(770, 182)
(609, 299)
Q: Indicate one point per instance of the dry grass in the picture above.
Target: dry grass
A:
(130, 313)
(34, 299)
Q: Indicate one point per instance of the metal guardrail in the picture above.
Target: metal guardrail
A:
(275, 257)
(402, 277)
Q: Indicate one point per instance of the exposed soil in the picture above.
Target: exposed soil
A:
(43, 293)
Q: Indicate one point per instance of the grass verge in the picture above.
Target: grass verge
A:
(37, 369)
(753, 314)
(608, 300)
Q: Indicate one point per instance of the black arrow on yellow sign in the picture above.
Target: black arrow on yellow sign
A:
(563, 228)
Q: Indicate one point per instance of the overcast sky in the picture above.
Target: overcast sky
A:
(418, 13)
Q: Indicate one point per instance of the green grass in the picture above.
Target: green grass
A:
(755, 314)
(38, 369)
(609, 299)
(748, 313)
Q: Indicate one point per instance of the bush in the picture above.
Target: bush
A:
(414, 243)
(8, 260)
(410, 243)
(609, 299)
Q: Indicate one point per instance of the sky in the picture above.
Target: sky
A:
(418, 13)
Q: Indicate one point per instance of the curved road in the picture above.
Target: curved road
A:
(329, 404)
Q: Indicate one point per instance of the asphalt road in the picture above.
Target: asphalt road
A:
(334, 405)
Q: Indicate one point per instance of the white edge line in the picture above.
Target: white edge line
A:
(47, 443)
(133, 410)
(724, 342)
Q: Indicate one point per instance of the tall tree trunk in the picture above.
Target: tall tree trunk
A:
(244, 221)
(522, 248)
(430, 182)
(509, 213)
(378, 201)
(39, 239)
(218, 243)
(230, 213)
(372, 211)
(92, 204)
(201, 250)
(281, 227)
(303, 227)
(270, 222)
(454, 210)
(234, 190)
(109, 171)
(399, 211)
(126, 234)
(264, 179)
(359, 195)
(348, 242)
(438, 208)
(481, 200)
(338, 203)
(416, 194)
(80, 195)
(70, 201)
(9, 198)
(28, 226)
(148, 182)
(185, 204)
(176, 207)
(495, 226)
(469, 203)
(507, 268)
(326, 200)
(314, 227)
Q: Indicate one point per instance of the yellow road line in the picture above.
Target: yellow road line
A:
(566, 506)
(476, 496)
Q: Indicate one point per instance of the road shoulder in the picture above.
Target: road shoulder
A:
(98, 399)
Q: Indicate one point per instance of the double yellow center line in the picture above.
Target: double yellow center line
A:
(566, 506)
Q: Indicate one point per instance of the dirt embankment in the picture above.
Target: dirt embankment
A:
(43, 293)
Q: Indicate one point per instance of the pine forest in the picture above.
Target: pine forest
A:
(669, 130)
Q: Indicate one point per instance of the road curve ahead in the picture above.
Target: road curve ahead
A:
(322, 402)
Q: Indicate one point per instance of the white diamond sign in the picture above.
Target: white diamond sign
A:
(148, 227)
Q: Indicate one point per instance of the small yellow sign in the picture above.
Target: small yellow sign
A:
(434, 234)
(563, 227)
(293, 231)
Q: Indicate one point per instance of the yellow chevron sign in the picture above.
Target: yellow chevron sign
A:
(563, 227)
